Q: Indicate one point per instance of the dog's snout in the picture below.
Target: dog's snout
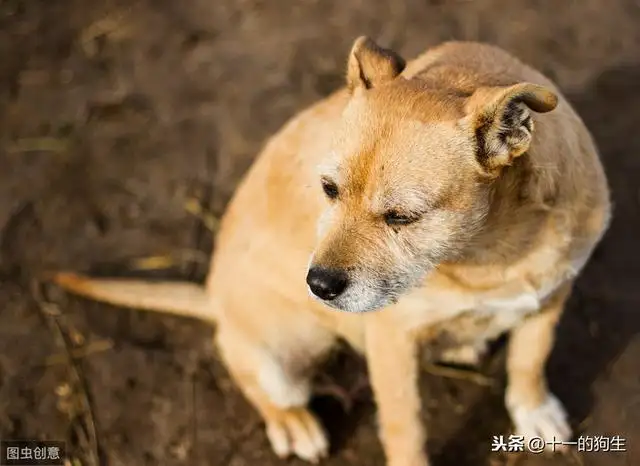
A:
(326, 283)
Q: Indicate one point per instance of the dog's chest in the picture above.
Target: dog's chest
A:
(489, 320)
(453, 320)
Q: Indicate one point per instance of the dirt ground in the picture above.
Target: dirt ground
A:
(116, 115)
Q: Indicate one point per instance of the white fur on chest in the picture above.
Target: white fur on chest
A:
(480, 316)
(469, 319)
(507, 312)
(461, 331)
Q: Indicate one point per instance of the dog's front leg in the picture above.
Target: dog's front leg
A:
(393, 370)
(534, 410)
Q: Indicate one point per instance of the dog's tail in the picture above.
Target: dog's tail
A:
(178, 298)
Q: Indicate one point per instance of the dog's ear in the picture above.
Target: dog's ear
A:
(371, 65)
(502, 121)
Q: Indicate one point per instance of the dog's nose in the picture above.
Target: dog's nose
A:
(325, 283)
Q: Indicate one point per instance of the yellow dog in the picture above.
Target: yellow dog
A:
(449, 200)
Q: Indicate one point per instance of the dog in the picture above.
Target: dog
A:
(448, 200)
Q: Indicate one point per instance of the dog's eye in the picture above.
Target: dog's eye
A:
(329, 188)
(393, 217)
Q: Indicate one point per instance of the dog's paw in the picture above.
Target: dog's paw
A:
(547, 421)
(298, 432)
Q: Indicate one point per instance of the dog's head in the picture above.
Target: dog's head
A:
(408, 180)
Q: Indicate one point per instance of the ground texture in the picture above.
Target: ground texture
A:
(116, 115)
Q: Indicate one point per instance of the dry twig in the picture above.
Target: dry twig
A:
(460, 374)
(77, 353)
(194, 207)
(54, 316)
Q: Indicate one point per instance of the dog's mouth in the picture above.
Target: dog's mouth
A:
(363, 296)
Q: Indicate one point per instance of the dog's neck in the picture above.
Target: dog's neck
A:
(521, 202)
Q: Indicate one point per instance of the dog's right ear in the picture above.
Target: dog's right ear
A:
(371, 65)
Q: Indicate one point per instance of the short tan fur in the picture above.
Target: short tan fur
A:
(458, 194)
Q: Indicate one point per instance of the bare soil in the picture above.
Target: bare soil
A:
(115, 115)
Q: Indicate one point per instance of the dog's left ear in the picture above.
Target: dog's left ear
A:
(502, 121)
(371, 65)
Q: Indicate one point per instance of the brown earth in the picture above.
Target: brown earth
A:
(116, 113)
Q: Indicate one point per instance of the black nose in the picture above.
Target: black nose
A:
(327, 284)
